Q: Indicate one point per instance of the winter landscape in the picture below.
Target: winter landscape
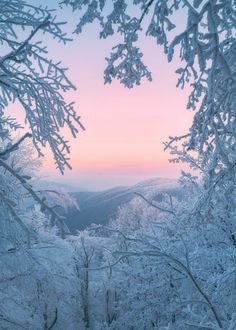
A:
(118, 175)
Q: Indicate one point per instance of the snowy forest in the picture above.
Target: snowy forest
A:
(166, 260)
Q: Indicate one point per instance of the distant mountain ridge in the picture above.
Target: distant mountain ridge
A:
(99, 207)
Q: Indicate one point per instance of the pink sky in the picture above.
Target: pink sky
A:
(125, 128)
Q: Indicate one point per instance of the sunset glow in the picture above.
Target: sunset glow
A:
(125, 128)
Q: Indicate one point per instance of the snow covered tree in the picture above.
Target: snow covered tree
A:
(37, 292)
(31, 80)
(172, 271)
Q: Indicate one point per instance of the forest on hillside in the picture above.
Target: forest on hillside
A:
(164, 260)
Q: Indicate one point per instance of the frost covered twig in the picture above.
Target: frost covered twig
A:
(154, 205)
(27, 74)
(54, 215)
(13, 147)
(184, 268)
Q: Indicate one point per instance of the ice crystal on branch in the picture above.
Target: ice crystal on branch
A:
(29, 76)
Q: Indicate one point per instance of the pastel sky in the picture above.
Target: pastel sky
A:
(125, 128)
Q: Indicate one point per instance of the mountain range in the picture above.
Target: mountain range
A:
(100, 207)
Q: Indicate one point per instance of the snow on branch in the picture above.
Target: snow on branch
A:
(41, 201)
(29, 76)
